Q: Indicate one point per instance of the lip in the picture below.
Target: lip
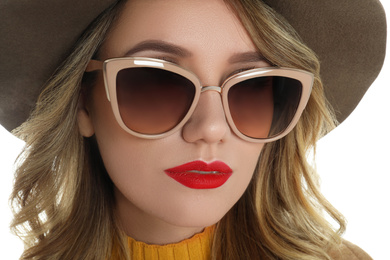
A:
(201, 175)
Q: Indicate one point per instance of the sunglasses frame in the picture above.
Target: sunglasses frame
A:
(111, 67)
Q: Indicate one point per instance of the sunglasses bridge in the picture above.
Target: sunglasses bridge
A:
(212, 88)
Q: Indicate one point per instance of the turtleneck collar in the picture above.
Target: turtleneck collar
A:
(194, 248)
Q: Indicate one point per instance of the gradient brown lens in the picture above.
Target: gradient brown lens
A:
(151, 100)
(264, 107)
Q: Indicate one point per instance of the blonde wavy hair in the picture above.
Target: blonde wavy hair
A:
(63, 198)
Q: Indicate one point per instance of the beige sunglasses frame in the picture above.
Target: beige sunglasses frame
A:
(112, 66)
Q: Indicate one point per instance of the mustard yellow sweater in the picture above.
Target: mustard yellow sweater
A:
(194, 248)
(198, 248)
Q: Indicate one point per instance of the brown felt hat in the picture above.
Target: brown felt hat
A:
(349, 36)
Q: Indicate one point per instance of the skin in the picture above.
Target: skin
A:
(151, 206)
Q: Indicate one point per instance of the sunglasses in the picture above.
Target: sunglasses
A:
(153, 98)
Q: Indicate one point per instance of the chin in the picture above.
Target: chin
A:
(196, 215)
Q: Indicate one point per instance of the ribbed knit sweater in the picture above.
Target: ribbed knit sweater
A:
(198, 248)
(194, 248)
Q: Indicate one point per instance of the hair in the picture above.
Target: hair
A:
(63, 198)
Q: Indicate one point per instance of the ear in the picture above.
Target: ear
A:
(84, 119)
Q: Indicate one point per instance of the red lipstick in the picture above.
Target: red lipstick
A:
(201, 175)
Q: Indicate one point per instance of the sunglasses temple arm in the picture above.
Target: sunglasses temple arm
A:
(94, 65)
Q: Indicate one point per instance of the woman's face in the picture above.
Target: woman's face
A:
(153, 206)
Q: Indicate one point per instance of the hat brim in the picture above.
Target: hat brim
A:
(349, 37)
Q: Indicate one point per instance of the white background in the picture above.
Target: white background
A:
(353, 161)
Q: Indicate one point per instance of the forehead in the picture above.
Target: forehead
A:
(202, 26)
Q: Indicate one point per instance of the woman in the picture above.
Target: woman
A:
(152, 157)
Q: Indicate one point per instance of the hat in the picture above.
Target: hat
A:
(349, 37)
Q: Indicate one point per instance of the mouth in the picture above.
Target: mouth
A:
(201, 175)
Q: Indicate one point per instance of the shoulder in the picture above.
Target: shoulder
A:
(348, 251)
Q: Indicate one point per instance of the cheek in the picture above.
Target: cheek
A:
(119, 150)
(246, 160)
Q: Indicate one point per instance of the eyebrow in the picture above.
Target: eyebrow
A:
(161, 46)
(251, 56)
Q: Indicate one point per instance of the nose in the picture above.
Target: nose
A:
(208, 122)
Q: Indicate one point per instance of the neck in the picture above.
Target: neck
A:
(145, 227)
